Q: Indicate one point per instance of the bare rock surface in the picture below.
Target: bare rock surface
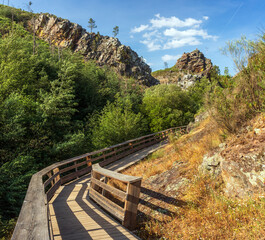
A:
(194, 63)
(102, 49)
(240, 162)
(190, 68)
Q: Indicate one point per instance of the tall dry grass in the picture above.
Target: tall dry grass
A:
(207, 214)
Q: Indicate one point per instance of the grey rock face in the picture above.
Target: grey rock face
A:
(103, 49)
(189, 69)
(240, 180)
(194, 62)
(170, 181)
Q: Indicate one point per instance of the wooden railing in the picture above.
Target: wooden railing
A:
(34, 219)
(127, 212)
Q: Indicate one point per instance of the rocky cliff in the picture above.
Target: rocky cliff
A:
(194, 63)
(190, 68)
(103, 49)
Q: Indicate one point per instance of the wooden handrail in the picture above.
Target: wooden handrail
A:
(128, 213)
(33, 221)
(114, 175)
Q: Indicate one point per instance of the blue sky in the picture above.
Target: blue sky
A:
(162, 30)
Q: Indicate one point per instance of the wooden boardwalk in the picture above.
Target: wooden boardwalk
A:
(75, 217)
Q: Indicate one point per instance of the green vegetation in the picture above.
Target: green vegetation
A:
(92, 24)
(234, 101)
(56, 107)
(167, 106)
(115, 31)
(117, 123)
(165, 71)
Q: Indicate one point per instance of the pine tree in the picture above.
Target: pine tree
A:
(33, 22)
(115, 31)
(91, 24)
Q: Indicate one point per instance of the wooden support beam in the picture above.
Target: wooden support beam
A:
(131, 204)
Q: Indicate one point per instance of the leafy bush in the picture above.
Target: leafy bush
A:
(167, 106)
(117, 123)
(242, 97)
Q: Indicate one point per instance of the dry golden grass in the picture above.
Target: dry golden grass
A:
(188, 148)
(207, 213)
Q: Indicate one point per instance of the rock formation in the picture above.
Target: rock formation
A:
(194, 63)
(103, 49)
(191, 67)
(240, 162)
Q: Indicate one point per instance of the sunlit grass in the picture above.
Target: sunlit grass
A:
(208, 214)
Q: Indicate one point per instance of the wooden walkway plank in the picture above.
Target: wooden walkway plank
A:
(75, 217)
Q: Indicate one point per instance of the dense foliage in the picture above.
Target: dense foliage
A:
(167, 106)
(53, 107)
(236, 100)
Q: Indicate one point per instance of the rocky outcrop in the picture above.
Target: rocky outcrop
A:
(194, 63)
(240, 163)
(191, 67)
(170, 182)
(102, 49)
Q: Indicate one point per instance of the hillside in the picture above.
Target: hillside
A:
(189, 68)
(54, 106)
(105, 50)
(208, 184)
(203, 186)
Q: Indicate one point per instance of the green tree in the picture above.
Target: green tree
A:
(117, 123)
(167, 106)
(240, 51)
(115, 31)
(33, 21)
(91, 24)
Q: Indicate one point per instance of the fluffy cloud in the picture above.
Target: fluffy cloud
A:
(160, 22)
(152, 45)
(172, 32)
(168, 58)
(139, 29)
(177, 43)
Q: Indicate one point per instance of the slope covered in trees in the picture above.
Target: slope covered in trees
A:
(54, 105)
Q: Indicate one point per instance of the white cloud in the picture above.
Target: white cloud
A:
(139, 29)
(160, 22)
(172, 32)
(151, 45)
(177, 43)
(149, 35)
(168, 58)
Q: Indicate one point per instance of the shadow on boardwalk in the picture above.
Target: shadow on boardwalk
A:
(79, 218)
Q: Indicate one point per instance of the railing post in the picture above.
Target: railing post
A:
(131, 203)
(49, 174)
(58, 178)
(115, 154)
(96, 176)
(89, 163)
(106, 179)
(76, 171)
